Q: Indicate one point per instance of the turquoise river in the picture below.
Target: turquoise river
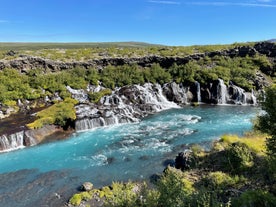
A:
(47, 174)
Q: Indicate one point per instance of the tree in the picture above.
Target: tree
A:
(267, 121)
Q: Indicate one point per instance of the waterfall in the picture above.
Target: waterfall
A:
(152, 94)
(221, 92)
(254, 99)
(124, 105)
(240, 95)
(198, 93)
(85, 124)
(12, 142)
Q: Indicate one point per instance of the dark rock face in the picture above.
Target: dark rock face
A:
(266, 48)
(176, 93)
(25, 63)
(130, 103)
(184, 160)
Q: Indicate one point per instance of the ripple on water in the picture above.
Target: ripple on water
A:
(128, 151)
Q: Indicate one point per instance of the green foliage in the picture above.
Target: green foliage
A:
(241, 71)
(255, 198)
(9, 103)
(267, 121)
(184, 73)
(158, 75)
(239, 157)
(174, 188)
(14, 85)
(58, 114)
(203, 198)
(151, 198)
(120, 76)
(255, 142)
(123, 195)
(96, 96)
(76, 199)
(221, 181)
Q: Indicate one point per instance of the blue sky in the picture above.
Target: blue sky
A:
(169, 22)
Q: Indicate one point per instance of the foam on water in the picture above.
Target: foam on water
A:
(122, 152)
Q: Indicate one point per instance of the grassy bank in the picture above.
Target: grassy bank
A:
(235, 172)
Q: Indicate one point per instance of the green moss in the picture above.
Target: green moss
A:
(76, 199)
(58, 114)
(9, 103)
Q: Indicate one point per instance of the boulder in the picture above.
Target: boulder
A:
(87, 186)
(184, 160)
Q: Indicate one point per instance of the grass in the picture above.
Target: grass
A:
(58, 114)
(87, 51)
(73, 45)
(256, 142)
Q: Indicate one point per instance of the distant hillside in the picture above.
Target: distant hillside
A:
(272, 40)
(75, 45)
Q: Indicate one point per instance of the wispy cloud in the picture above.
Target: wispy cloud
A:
(264, 1)
(164, 2)
(243, 4)
(3, 21)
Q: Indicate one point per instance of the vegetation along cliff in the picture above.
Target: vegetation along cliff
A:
(81, 86)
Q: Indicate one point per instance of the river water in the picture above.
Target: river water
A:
(46, 175)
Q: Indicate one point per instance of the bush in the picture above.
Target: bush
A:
(58, 114)
(122, 195)
(96, 96)
(76, 199)
(220, 181)
(174, 188)
(239, 157)
(255, 198)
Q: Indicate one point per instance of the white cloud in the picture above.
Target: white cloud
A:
(164, 2)
(244, 4)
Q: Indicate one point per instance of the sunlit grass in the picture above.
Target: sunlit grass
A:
(255, 141)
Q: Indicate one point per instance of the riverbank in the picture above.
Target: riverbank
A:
(235, 172)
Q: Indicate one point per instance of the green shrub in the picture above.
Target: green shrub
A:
(76, 199)
(58, 114)
(204, 198)
(220, 181)
(9, 103)
(174, 188)
(96, 96)
(254, 198)
(122, 195)
(239, 157)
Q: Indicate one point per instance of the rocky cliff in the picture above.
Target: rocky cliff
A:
(131, 103)
(25, 63)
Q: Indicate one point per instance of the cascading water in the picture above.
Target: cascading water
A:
(198, 93)
(253, 97)
(12, 142)
(240, 95)
(34, 176)
(152, 94)
(221, 92)
(117, 108)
